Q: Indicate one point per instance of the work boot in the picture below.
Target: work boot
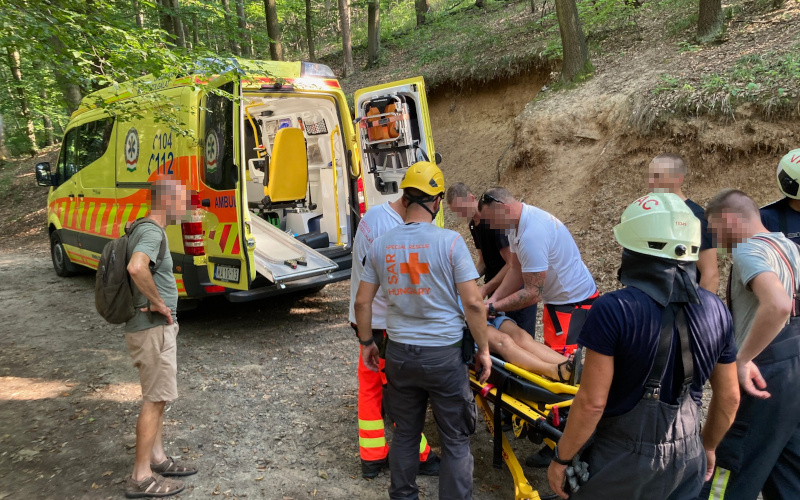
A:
(541, 459)
(371, 469)
(430, 467)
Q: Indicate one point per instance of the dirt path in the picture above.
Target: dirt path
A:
(267, 406)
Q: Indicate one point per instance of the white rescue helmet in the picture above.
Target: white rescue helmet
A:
(661, 225)
(789, 174)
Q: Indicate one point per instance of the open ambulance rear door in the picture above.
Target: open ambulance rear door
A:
(226, 240)
(393, 131)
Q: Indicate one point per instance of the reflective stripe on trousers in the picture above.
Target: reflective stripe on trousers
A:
(371, 439)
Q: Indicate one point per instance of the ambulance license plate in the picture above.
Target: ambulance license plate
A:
(229, 274)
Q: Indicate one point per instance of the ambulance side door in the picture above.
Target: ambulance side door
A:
(65, 188)
(393, 131)
(96, 183)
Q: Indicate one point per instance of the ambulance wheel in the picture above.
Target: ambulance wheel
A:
(61, 262)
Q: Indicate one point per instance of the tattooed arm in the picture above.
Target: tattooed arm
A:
(530, 294)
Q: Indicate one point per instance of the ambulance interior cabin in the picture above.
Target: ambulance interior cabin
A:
(289, 145)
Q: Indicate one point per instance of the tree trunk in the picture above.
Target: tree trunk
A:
(3, 149)
(138, 14)
(195, 33)
(575, 55)
(709, 20)
(373, 32)
(71, 90)
(273, 30)
(347, 44)
(241, 35)
(422, 7)
(48, 123)
(177, 24)
(165, 20)
(309, 32)
(16, 74)
(228, 25)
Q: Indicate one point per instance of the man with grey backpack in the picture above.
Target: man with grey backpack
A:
(150, 331)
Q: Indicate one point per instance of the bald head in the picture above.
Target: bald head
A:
(665, 173)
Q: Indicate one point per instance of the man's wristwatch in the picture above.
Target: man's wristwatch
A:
(365, 343)
(558, 459)
(492, 311)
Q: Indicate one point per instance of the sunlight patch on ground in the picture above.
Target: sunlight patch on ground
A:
(28, 389)
(124, 392)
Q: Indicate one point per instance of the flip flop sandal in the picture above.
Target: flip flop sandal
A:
(569, 364)
(170, 467)
(152, 487)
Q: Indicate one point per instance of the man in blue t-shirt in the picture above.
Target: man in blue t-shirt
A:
(784, 215)
(423, 269)
(650, 348)
(665, 175)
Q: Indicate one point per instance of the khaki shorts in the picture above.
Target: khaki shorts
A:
(154, 353)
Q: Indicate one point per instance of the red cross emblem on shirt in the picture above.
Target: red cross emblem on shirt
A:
(414, 268)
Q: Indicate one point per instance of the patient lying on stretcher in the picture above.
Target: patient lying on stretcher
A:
(517, 347)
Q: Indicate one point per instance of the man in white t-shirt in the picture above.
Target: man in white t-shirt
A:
(546, 260)
(372, 445)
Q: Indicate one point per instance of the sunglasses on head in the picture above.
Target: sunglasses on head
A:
(486, 198)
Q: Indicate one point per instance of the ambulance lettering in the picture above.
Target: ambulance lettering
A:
(225, 201)
(162, 156)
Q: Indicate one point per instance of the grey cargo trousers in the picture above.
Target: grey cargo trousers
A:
(416, 375)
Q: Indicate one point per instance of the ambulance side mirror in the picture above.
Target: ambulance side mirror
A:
(437, 158)
(43, 175)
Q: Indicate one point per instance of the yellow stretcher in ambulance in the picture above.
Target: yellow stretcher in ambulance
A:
(281, 174)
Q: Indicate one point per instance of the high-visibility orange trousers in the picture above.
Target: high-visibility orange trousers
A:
(371, 440)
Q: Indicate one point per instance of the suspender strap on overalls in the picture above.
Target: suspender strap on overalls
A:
(668, 320)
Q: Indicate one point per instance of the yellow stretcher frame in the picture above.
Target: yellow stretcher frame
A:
(528, 412)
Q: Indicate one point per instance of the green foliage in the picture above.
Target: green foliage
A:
(770, 80)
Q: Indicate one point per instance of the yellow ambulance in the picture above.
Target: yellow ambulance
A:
(280, 175)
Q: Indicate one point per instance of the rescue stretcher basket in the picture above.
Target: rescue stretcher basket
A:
(538, 408)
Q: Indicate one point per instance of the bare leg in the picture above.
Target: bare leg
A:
(504, 345)
(525, 341)
(148, 426)
(157, 456)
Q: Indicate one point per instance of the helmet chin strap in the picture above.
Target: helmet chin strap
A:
(421, 201)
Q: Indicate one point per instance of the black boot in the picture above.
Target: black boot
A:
(541, 459)
(371, 469)
(430, 467)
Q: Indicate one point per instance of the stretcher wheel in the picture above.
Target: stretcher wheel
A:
(519, 427)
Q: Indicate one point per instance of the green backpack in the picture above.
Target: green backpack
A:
(113, 290)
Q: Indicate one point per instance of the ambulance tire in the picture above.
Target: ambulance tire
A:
(61, 262)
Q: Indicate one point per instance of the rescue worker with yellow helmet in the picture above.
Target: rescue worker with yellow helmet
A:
(784, 215)
(423, 269)
(650, 348)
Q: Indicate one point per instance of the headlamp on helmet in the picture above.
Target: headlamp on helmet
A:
(789, 174)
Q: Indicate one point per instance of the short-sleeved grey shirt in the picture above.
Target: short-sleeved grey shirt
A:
(419, 265)
(751, 258)
(147, 239)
